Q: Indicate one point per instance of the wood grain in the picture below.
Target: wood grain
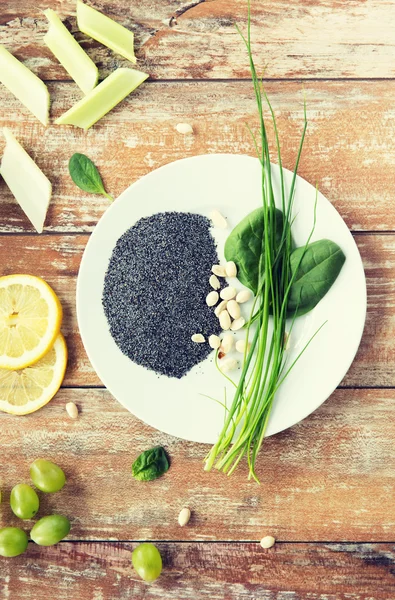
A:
(213, 571)
(56, 258)
(349, 149)
(198, 39)
(329, 478)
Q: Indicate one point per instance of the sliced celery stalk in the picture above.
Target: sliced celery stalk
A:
(25, 85)
(102, 98)
(70, 54)
(26, 181)
(105, 30)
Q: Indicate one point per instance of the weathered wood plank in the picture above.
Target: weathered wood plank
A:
(198, 39)
(56, 258)
(329, 478)
(349, 147)
(213, 571)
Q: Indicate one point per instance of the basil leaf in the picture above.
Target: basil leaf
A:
(318, 270)
(85, 175)
(244, 246)
(150, 465)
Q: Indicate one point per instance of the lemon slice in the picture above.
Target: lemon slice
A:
(26, 390)
(30, 319)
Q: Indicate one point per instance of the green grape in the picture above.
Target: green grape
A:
(13, 541)
(147, 561)
(48, 531)
(24, 501)
(47, 476)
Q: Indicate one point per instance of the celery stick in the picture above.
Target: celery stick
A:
(26, 181)
(102, 98)
(70, 54)
(105, 30)
(25, 85)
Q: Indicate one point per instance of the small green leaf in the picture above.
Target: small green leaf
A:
(318, 267)
(86, 176)
(150, 465)
(244, 246)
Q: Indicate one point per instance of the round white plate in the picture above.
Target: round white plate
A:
(230, 183)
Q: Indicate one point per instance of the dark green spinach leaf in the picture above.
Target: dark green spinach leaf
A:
(151, 464)
(318, 270)
(85, 175)
(244, 246)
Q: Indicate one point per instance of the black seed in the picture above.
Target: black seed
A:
(155, 290)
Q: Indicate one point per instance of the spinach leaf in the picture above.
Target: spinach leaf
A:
(320, 265)
(151, 464)
(85, 175)
(318, 270)
(244, 246)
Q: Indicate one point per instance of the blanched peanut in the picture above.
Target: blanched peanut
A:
(231, 269)
(228, 293)
(212, 298)
(184, 128)
(184, 516)
(224, 320)
(267, 542)
(243, 296)
(233, 309)
(214, 342)
(238, 324)
(218, 270)
(214, 282)
(198, 338)
(241, 346)
(72, 410)
(221, 306)
(228, 364)
(218, 219)
(227, 343)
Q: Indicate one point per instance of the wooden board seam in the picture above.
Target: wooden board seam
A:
(246, 80)
(230, 542)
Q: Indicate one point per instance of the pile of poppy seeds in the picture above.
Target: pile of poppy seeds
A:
(155, 289)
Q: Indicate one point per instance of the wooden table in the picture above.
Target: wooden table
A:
(327, 490)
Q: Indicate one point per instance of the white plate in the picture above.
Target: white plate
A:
(230, 183)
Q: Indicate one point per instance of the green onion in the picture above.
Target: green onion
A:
(264, 365)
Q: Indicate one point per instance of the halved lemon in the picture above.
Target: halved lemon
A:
(26, 390)
(30, 320)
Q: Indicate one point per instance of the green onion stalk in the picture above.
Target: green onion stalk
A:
(265, 358)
